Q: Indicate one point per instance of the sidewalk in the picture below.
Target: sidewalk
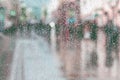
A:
(6, 53)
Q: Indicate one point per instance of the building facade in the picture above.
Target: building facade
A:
(9, 10)
(69, 12)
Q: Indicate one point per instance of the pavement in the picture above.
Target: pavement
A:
(33, 60)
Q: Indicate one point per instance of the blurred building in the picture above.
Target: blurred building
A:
(15, 11)
(9, 10)
(5, 7)
(69, 12)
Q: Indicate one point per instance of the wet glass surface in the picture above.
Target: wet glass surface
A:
(59, 40)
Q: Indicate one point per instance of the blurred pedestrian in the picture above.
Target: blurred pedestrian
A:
(87, 48)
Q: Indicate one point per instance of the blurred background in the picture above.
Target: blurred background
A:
(59, 39)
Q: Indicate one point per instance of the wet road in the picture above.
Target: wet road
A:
(33, 60)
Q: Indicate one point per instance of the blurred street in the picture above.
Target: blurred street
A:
(59, 40)
(32, 60)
